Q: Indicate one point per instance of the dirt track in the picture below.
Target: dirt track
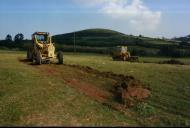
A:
(115, 90)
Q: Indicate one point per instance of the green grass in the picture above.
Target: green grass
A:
(169, 83)
(30, 98)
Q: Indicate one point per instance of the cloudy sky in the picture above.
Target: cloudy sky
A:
(154, 18)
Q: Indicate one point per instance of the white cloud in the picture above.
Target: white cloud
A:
(98, 2)
(134, 12)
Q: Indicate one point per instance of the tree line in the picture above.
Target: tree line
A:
(17, 42)
(18, 38)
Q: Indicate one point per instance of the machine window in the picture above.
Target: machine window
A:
(41, 38)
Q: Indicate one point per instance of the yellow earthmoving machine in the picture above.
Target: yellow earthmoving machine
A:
(43, 49)
(122, 53)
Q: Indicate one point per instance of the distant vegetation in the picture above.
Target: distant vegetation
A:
(101, 40)
(185, 39)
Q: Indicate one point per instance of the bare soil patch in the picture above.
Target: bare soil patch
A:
(90, 90)
(126, 90)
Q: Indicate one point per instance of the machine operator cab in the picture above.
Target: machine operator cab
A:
(41, 37)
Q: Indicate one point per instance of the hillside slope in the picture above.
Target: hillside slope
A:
(107, 38)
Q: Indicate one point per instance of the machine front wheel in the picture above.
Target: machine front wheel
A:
(39, 58)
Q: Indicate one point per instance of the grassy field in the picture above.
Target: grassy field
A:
(30, 97)
(170, 84)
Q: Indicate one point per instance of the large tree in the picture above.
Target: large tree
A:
(19, 37)
(9, 38)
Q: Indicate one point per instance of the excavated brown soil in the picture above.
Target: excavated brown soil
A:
(90, 90)
(125, 91)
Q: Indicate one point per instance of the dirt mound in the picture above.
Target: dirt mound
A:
(103, 74)
(127, 89)
(131, 92)
(172, 61)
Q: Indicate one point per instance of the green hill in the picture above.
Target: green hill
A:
(107, 38)
(100, 40)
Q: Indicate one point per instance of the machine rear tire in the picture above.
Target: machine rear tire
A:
(39, 59)
(60, 57)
